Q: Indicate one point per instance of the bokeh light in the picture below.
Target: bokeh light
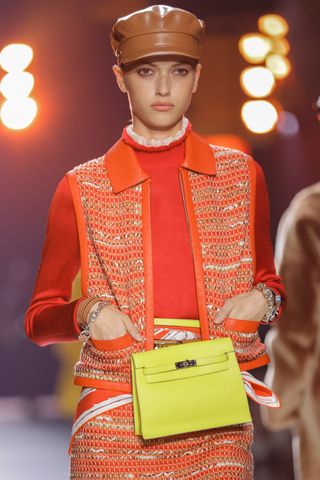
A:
(279, 65)
(288, 124)
(273, 25)
(280, 46)
(16, 57)
(257, 82)
(19, 113)
(254, 47)
(17, 84)
(259, 116)
(19, 110)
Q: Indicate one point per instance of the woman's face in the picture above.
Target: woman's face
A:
(159, 92)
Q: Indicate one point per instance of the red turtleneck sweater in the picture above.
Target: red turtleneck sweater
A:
(51, 317)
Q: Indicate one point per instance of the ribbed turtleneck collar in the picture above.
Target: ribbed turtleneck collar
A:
(143, 144)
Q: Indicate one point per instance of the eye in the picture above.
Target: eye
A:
(144, 71)
(182, 71)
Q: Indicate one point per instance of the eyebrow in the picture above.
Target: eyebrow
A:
(174, 65)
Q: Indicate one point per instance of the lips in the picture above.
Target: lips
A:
(162, 107)
(162, 104)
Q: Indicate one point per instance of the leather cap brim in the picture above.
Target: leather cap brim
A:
(158, 44)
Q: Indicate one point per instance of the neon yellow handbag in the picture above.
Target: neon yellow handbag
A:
(187, 387)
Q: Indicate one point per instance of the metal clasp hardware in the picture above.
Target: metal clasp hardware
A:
(186, 363)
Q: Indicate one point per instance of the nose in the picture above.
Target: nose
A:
(163, 85)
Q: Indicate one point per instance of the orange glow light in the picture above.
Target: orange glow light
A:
(273, 25)
(18, 114)
(279, 65)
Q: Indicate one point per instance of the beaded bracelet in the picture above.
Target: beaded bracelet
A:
(84, 309)
(85, 333)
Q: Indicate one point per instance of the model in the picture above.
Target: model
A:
(162, 227)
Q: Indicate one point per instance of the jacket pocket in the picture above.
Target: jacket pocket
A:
(113, 344)
(108, 360)
(237, 325)
(245, 338)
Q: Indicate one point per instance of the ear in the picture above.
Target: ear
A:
(196, 78)
(119, 77)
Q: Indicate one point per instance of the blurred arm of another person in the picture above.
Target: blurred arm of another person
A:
(294, 343)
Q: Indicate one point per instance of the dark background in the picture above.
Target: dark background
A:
(82, 113)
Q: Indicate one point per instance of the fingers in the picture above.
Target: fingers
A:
(223, 313)
(131, 328)
(248, 306)
(111, 323)
(220, 317)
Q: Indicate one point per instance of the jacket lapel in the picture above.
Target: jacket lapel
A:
(124, 170)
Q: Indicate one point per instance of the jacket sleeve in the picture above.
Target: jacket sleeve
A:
(51, 316)
(292, 343)
(265, 267)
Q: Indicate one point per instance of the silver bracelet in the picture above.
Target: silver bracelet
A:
(85, 333)
(273, 302)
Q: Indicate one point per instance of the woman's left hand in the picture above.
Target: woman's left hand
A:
(245, 306)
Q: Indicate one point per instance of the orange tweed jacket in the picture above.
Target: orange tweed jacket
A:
(111, 195)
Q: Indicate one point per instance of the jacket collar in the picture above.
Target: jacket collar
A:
(124, 170)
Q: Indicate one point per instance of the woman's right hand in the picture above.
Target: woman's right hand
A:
(111, 323)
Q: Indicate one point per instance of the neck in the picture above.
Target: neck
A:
(158, 142)
(159, 133)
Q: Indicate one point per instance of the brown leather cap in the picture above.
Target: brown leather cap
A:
(156, 30)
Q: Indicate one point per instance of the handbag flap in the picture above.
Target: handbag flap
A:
(182, 373)
(198, 361)
(177, 353)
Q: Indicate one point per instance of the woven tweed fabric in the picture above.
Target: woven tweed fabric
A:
(115, 263)
(222, 210)
(114, 231)
(107, 448)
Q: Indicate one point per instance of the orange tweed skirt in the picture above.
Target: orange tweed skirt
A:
(107, 448)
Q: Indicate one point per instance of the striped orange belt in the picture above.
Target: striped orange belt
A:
(185, 324)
